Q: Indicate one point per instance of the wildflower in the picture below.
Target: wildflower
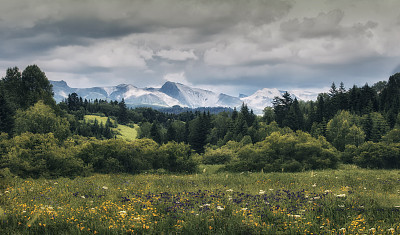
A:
(341, 195)
(122, 213)
(372, 229)
(220, 208)
(261, 192)
(55, 183)
(229, 190)
(6, 191)
(105, 187)
(327, 191)
(243, 209)
(341, 206)
(23, 211)
(391, 230)
(316, 198)
(314, 185)
(271, 189)
(82, 196)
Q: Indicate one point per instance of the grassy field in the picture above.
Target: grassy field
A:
(343, 201)
(124, 132)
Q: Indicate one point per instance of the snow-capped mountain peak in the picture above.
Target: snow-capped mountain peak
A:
(171, 94)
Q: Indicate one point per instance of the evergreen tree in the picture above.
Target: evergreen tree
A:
(12, 87)
(155, 132)
(123, 112)
(171, 133)
(282, 107)
(6, 113)
(35, 87)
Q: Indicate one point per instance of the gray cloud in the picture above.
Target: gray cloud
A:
(240, 45)
(324, 25)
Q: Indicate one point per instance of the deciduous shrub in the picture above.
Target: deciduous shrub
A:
(286, 152)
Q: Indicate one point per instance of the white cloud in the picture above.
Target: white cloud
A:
(177, 77)
(177, 55)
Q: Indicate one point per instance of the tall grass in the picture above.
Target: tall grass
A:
(344, 201)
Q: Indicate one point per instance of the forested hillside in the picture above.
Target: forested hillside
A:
(39, 137)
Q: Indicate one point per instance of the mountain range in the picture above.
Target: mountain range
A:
(172, 94)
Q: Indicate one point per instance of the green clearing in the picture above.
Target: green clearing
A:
(123, 131)
(348, 200)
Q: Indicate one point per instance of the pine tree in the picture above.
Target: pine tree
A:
(6, 114)
(123, 112)
(155, 132)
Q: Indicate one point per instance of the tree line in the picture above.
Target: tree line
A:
(357, 126)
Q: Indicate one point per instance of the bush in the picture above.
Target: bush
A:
(377, 155)
(36, 155)
(177, 157)
(286, 152)
(118, 156)
(217, 156)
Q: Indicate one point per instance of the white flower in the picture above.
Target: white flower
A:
(229, 190)
(83, 197)
(122, 213)
(327, 191)
(6, 191)
(136, 218)
(105, 187)
(314, 185)
(261, 192)
(391, 229)
(341, 206)
(341, 195)
(316, 198)
(206, 205)
(243, 209)
(55, 183)
(271, 189)
(220, 208)
(23, 211)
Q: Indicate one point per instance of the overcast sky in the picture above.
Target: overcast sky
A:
(231, 46)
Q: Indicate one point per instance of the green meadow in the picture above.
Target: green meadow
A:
(347, 200)
(123, 131)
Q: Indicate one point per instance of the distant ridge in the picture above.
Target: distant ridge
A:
(172, 94)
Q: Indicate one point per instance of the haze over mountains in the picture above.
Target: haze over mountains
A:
(172, 93)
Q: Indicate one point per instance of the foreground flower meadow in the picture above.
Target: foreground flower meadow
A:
(346, 201)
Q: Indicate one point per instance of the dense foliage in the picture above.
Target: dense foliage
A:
(42, 138)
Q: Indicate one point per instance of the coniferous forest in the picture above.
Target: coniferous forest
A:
(40, 138)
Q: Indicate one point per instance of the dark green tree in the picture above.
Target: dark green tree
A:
(6, 113)
(35, 86)
(123, 113)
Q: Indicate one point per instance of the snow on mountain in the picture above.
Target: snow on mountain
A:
(195, 97)
(171, 94)
(261, 99)
(305, 95)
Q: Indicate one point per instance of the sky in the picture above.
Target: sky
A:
(229, 46)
